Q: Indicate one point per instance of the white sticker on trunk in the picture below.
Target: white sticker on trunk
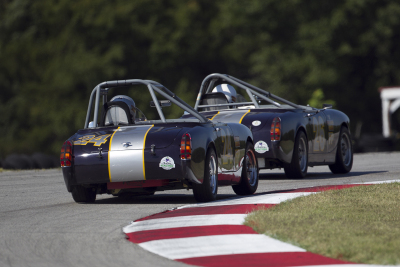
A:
(167, 163)
(256, 123)
(261, 147)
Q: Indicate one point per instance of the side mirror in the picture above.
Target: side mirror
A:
(163, 103)
(91, 124)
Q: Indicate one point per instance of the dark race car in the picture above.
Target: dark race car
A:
(285, 134)
(121, 152)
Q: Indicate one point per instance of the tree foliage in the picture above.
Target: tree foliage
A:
(54, 52)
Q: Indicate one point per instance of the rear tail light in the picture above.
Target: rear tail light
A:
(276, 129)
(186, 146)
(66, 154)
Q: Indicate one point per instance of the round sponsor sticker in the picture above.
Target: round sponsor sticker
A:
(261, 147)
(167, 163)
(256, 123)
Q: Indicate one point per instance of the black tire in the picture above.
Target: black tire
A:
(249, 179)
(297, 168)
(83, 195)
(344, 153)
(207, 191)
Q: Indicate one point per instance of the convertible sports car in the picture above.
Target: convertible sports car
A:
(285, 134)
(122, 153)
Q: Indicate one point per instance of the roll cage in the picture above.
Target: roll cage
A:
(102, 90)
(252, 91)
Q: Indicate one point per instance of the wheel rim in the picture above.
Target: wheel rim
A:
(302, 155)
(213, 174)
(251, 168)
(345, 149)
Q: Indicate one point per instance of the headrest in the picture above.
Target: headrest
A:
(117, 113)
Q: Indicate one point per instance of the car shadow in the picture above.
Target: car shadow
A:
(315, 175)
(188, 198)
(158, 198)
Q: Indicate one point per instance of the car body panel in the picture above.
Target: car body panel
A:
(147, 154)
(126, 152)
(321, 126)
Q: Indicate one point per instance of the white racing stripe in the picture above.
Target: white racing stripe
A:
(185, 221)
(256, 199)
(202, 246)
(126, 154)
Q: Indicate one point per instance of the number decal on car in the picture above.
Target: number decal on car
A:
(96, 140)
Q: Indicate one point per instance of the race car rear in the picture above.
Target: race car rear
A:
(141, 158)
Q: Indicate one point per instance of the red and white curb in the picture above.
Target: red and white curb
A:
(213, 234)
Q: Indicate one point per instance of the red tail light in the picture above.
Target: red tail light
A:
(276, 129)
(66, 154)
(186, 146)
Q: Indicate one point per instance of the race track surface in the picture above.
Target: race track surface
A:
(42, 226)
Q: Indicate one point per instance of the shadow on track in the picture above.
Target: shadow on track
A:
(186, 199)
(158, 198)
(316, 175)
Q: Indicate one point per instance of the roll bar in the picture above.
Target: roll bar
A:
(208, 84)
(102, 89)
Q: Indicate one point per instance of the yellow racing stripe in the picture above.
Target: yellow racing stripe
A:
(109, 153)
(214, 116)
(144, 143)
(243, 116)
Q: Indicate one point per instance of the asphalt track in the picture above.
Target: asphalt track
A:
(40, 225)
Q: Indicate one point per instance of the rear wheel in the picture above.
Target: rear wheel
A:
(249, 180)
(207, 191)
(297, 168)
(83, 195)
(344, 153)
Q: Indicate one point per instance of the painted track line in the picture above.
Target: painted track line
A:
(213, 234)
(183, 248)
(185, 221)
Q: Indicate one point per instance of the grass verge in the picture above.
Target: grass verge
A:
(359, 224)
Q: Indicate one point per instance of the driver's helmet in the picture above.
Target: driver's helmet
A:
(129, 101)
(227, 90)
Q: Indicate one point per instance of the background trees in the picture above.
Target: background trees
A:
(52, 54)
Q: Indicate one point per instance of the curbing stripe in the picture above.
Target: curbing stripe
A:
(264, 259)
(204, 246)
(194, 231)
(185, 221)
(212, 234)
(226, 209)
(275, 198)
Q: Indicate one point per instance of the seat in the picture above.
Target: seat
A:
(214, 99)
(116, 113)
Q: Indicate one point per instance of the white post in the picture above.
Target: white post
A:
(390, 102)
(385, 118)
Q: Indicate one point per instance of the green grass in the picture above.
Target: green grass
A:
(359, 224)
